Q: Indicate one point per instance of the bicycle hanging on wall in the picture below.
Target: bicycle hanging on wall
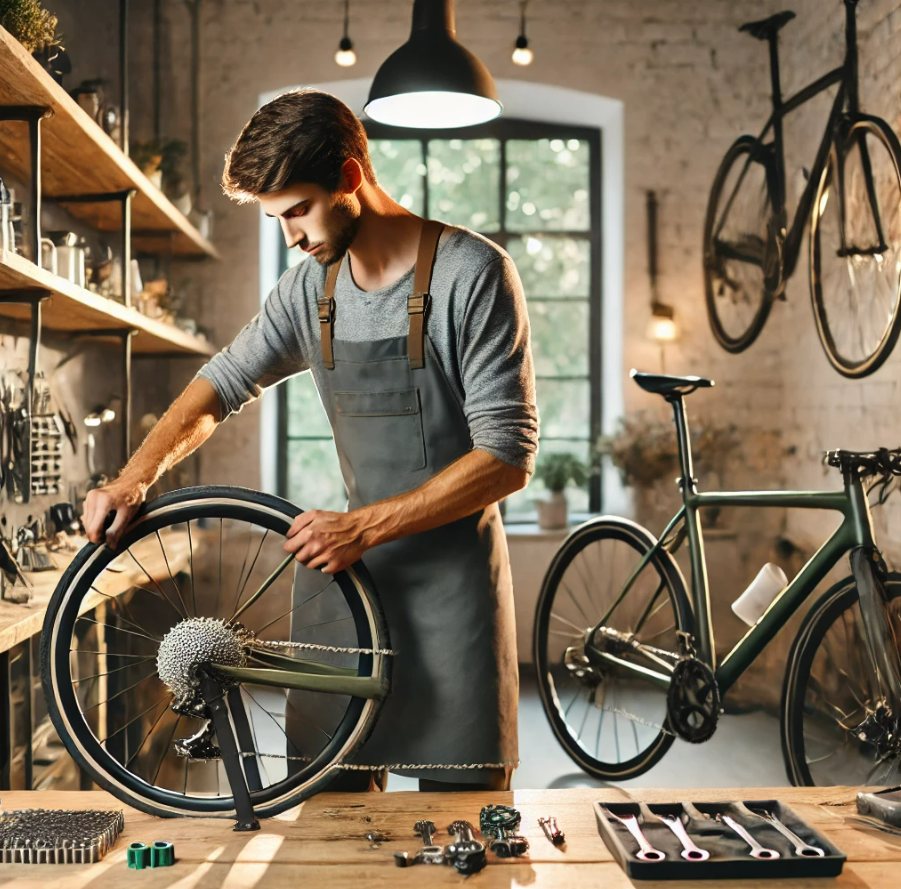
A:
(853, 203)
(626, 659)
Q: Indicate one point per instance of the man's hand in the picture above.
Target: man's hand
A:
(330, 541)
(120, 496)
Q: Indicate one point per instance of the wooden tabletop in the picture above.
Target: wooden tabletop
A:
(21, 621)
(323, 842)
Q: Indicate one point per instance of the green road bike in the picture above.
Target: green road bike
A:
(626, 660)
(227, 679)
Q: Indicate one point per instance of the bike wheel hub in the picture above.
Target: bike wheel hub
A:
(881, 729)
(193, 643)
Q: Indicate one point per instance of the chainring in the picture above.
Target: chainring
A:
(693, 701)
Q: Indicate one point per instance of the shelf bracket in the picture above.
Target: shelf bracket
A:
(32, 298)
(125, 334)
(32, 115)
(124, 197)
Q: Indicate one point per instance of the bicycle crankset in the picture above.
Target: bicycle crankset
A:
(693, 700)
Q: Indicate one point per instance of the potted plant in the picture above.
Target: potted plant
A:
(35, 28)
(556, 471)
(160, 161)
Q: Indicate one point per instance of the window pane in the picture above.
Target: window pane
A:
(547, 185)
(398, 167)
(306, 416)
(520, 506)
(552, 266)
(560, 338)
(564, 407)
(464, 182)
(314, 476)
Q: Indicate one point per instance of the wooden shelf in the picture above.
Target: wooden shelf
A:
(72, 309)
(79, 158)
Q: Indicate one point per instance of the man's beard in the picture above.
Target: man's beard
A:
(347, 224)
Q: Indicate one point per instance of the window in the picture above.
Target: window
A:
(534, 189)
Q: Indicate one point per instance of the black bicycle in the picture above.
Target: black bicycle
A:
(853, 201)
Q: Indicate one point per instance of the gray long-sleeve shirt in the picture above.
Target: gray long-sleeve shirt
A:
(477, 323)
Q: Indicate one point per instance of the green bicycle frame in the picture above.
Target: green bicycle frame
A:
(855, 530)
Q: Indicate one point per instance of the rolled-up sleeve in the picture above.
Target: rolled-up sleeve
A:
(264, 353)
(496, 367)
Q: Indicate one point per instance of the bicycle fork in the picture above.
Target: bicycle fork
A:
(869, 572)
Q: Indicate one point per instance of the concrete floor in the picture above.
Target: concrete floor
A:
(744, 752)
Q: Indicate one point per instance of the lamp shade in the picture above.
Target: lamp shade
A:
(433, 81)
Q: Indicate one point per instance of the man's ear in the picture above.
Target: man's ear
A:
(351, 176)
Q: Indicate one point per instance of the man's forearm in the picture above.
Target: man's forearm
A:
(471, 483)
(189, 422)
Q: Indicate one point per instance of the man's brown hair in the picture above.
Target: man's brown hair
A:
(304, 135)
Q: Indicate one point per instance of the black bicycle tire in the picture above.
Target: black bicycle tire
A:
(161, 511)
(890, 338)
(633, 534)
(837, 599)
(742, 145)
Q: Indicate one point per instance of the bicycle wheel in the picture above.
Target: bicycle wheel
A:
(830, 715)
(608, 721)
(855, 249)
(741, 257)
(119, 672)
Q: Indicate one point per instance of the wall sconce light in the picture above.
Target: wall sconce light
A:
(662, 327)
(522, 54)
(662, 324)
(433, 81)
(345, 56)
(102, 413)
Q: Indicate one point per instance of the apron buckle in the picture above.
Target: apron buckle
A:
(326, 309)
(418, 303)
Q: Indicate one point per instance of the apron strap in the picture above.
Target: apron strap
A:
(327, 315)
(418, 301)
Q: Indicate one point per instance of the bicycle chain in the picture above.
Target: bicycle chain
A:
(315, 647)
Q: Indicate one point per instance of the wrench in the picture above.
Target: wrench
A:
(465, 853)
(757, 851)
(428, 854)
(690, 852)
(646, 852)
(803, 849)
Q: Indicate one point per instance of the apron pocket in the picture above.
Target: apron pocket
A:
(380, 431)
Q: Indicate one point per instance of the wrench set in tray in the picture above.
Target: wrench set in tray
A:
(751, 839)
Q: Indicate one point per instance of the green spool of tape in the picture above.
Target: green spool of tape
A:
(138, 855)
(162, 854)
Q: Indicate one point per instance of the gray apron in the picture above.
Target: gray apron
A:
(447, 593)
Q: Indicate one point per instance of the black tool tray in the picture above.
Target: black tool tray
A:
(730, 856)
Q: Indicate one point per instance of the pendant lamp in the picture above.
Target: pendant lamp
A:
(432, 81)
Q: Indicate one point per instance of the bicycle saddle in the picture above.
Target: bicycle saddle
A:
(667, 386)
(766, 28)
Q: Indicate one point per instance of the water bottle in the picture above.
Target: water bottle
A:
(755, 600)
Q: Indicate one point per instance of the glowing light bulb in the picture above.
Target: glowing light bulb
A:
(522, 55)
(345, 56)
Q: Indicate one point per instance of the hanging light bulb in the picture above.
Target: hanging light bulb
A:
(345, 56)
(522, 55)
(432, 81)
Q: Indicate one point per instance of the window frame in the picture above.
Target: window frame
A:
(503, 130)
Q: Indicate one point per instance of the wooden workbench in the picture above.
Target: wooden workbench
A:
(322, 844)
(19, 622)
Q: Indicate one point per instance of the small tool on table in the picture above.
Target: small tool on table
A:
(805, 850)
(551, 831)
(757, 851)
(646, 852)
(690, 851)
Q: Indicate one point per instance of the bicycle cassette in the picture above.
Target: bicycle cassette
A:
(693, 701)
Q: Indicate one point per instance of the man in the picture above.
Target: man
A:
(431, 400)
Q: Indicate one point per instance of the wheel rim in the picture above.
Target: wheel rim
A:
(738, 230)
(590, 717)
(295, 736)
(856, 285)
(837, 743)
